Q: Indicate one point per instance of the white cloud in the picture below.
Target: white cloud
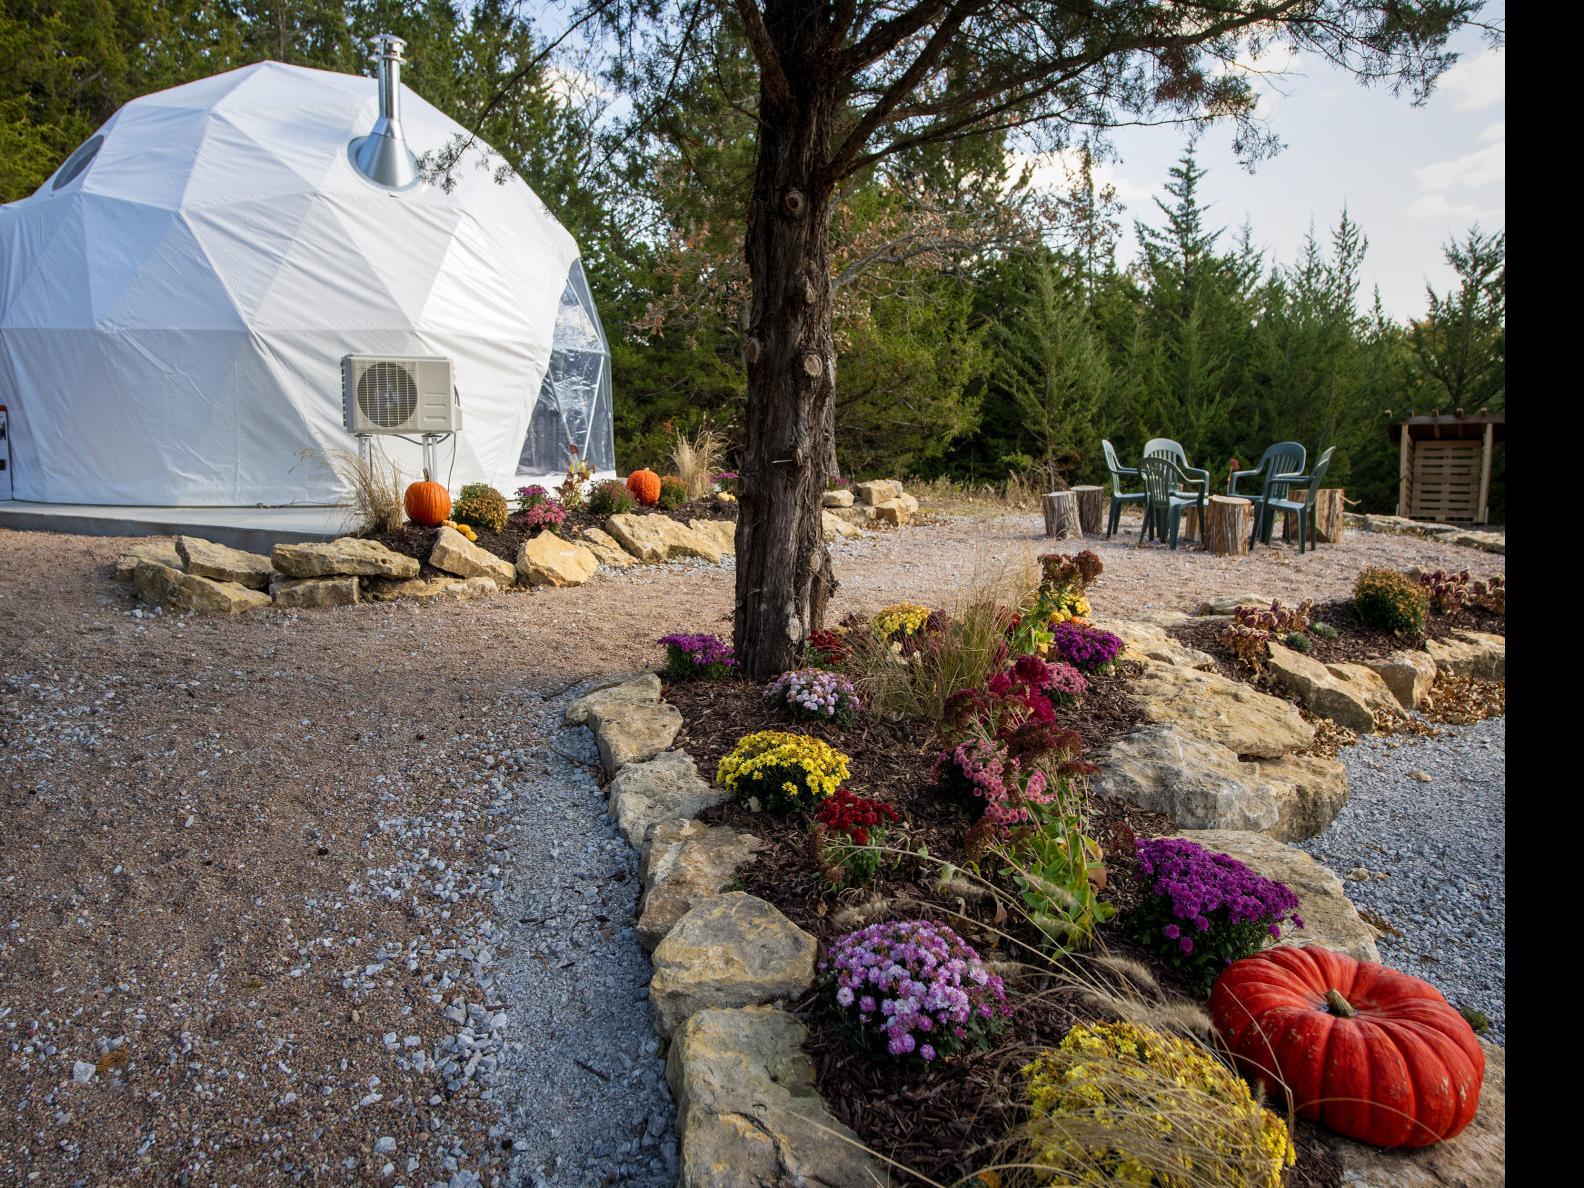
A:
(1057, 171)
(1478, 82)
(574, 87)
(1440, 208)
(1483, 167)
(1497, 131)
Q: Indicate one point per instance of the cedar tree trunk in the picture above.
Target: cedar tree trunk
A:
(784, 574)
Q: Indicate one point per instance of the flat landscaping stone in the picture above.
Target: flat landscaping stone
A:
(655, 538)
(314, 592)
(547, 560)
(1329, 917)
(720, 533)
(633, 732)
(160, 585)
(426, 589)
(1471, 654)
(455, 553)
(1216, 709)
(606, 550)
(836, 499)
(685, 863)
(1408, 674)
(1149, 641)
(221, 563)
(660, 789)
(349, 555)
(642, 689)
(732, 950)
(747, 1110)
(160, 552)
(1197, 783)
(1349, 694)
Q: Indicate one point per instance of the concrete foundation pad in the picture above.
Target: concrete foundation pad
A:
(255, 529)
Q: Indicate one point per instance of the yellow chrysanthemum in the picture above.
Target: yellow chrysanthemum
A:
(902, 619)
(1116, 1103)
(782, 768)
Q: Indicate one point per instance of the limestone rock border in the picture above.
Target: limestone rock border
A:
(724, 960)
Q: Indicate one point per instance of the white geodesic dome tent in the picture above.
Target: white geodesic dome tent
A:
(176, 300)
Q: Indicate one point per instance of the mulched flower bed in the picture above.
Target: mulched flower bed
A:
(1355, 641)
(414, 541)
(942, 1119)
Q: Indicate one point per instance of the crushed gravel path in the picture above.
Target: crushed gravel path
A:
(1426, 859)
(330, 895)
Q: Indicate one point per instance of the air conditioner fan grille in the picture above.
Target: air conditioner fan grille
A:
(387, 394)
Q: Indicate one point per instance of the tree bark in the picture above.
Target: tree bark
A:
(1061, 516)
(784, 577)
(1091, 508)
(1228, 522)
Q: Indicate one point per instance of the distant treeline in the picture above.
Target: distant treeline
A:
(983, 328)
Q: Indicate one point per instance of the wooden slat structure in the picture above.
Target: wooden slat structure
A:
(1445, 466)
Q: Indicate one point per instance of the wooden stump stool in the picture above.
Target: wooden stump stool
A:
(1329, 506)
(1091, 508)
(1061, 516)
(1227, 524)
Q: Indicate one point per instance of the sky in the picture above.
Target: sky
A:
(1411, 177)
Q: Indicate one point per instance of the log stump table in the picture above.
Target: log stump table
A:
(1061, 516)
(1330, 503)
(1228, 521)
(1091, 508)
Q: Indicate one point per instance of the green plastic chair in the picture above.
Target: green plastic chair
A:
(1278, 463)
(1303, 508)
(1194, 479)
(1118, 495)
(1166, 496)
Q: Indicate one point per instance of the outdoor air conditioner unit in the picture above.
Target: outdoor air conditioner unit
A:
(399, 394)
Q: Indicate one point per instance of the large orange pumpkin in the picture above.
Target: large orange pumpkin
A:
(428, 504)
(1369, 1051)
(645, 487)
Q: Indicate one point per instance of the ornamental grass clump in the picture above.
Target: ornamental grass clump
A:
(781, 771)
(1391, 601)
(815, 693)
(1116, 1103)
(915, 988)
(698, 658)
(1086, 648)
(1200, 910)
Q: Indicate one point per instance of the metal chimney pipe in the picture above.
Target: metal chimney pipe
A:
(383, 156)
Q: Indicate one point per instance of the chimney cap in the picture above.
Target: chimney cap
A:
(383, 156)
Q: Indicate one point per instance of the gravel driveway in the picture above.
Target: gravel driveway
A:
(330, 895)
(1426, 858)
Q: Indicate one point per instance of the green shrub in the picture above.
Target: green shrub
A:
(611, 498)
(1323, 630)
(480, 506)
(673, 493)
(1391, 601)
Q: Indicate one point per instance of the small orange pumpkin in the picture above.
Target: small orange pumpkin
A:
(645, 486)
(428, 504)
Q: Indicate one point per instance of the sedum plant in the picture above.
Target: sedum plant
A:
(1116, 1103)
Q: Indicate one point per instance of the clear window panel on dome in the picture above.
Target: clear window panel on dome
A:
(574, 405)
